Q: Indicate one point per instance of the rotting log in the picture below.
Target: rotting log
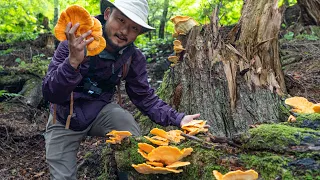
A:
(27, 85)
(275, 151)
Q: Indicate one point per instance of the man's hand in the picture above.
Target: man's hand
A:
(76, 44)
(188, 118)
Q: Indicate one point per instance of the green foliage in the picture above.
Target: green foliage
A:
(287, 2)
(289, 36)
(39, 65)
(22, 20)
(310, 37)
(5, 52)
(6, 94)
(150, 48)
(313, 35)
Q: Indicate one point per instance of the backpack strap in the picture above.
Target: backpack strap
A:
(70, 112)
(125, 70)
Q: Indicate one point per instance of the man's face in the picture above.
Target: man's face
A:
(120, 30)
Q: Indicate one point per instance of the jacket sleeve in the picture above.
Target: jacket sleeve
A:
(61, 77)
(143, 96)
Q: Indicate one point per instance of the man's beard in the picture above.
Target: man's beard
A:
(115, 47)
(112, 45)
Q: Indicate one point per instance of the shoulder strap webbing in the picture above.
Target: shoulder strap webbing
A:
(125, 70)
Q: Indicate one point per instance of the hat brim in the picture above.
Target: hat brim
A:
(104, 4)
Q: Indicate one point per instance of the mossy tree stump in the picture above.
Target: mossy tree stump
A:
(285, 151)
(232, 83)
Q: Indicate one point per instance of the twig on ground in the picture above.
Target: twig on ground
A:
(216, 139)
(8, 136)
(8, 146)
(194, 138)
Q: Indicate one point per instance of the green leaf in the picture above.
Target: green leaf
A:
(18, 60)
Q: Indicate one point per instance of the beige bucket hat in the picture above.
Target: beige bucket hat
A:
(136, 10)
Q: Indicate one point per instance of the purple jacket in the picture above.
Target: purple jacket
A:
(62, 79)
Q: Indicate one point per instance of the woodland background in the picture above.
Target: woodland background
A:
(27, 45)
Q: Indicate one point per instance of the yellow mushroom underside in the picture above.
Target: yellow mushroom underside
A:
(178, 164)
(148, 169)
(300, 104)
(157, 142)
(146, 147)
(159, 132)
(237, 175)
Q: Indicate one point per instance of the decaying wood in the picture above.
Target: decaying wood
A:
(310, 11)
(216, 139)
(25, 84)
(236, 83)
(206, 89)
(258, 43)
(204, 144)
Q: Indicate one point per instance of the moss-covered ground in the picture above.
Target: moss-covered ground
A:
(268, 149)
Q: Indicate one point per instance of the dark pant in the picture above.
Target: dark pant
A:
(62, 144)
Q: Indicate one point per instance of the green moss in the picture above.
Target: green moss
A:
(285, 111)
(88, 154)
(106, 164)
(274, 137)
(166, 88)
(204, 161)
(268, 165)
(145, 123)
(313, 155)
(129, 155)
(310, 121)
(311, 117)
(310, 176)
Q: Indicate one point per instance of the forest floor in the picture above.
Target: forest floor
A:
(22, 148)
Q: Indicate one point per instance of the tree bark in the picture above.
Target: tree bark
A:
(163, 19)
(310, 11)
(231, 84)
(55, 19)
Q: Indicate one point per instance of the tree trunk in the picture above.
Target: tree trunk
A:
(55, 19)
(310, 11)
(163, 19)
(233, 84)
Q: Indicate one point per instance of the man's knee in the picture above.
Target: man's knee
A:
(123, 119)
(119, 114)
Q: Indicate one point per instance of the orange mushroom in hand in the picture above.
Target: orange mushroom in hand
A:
(77, 14)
